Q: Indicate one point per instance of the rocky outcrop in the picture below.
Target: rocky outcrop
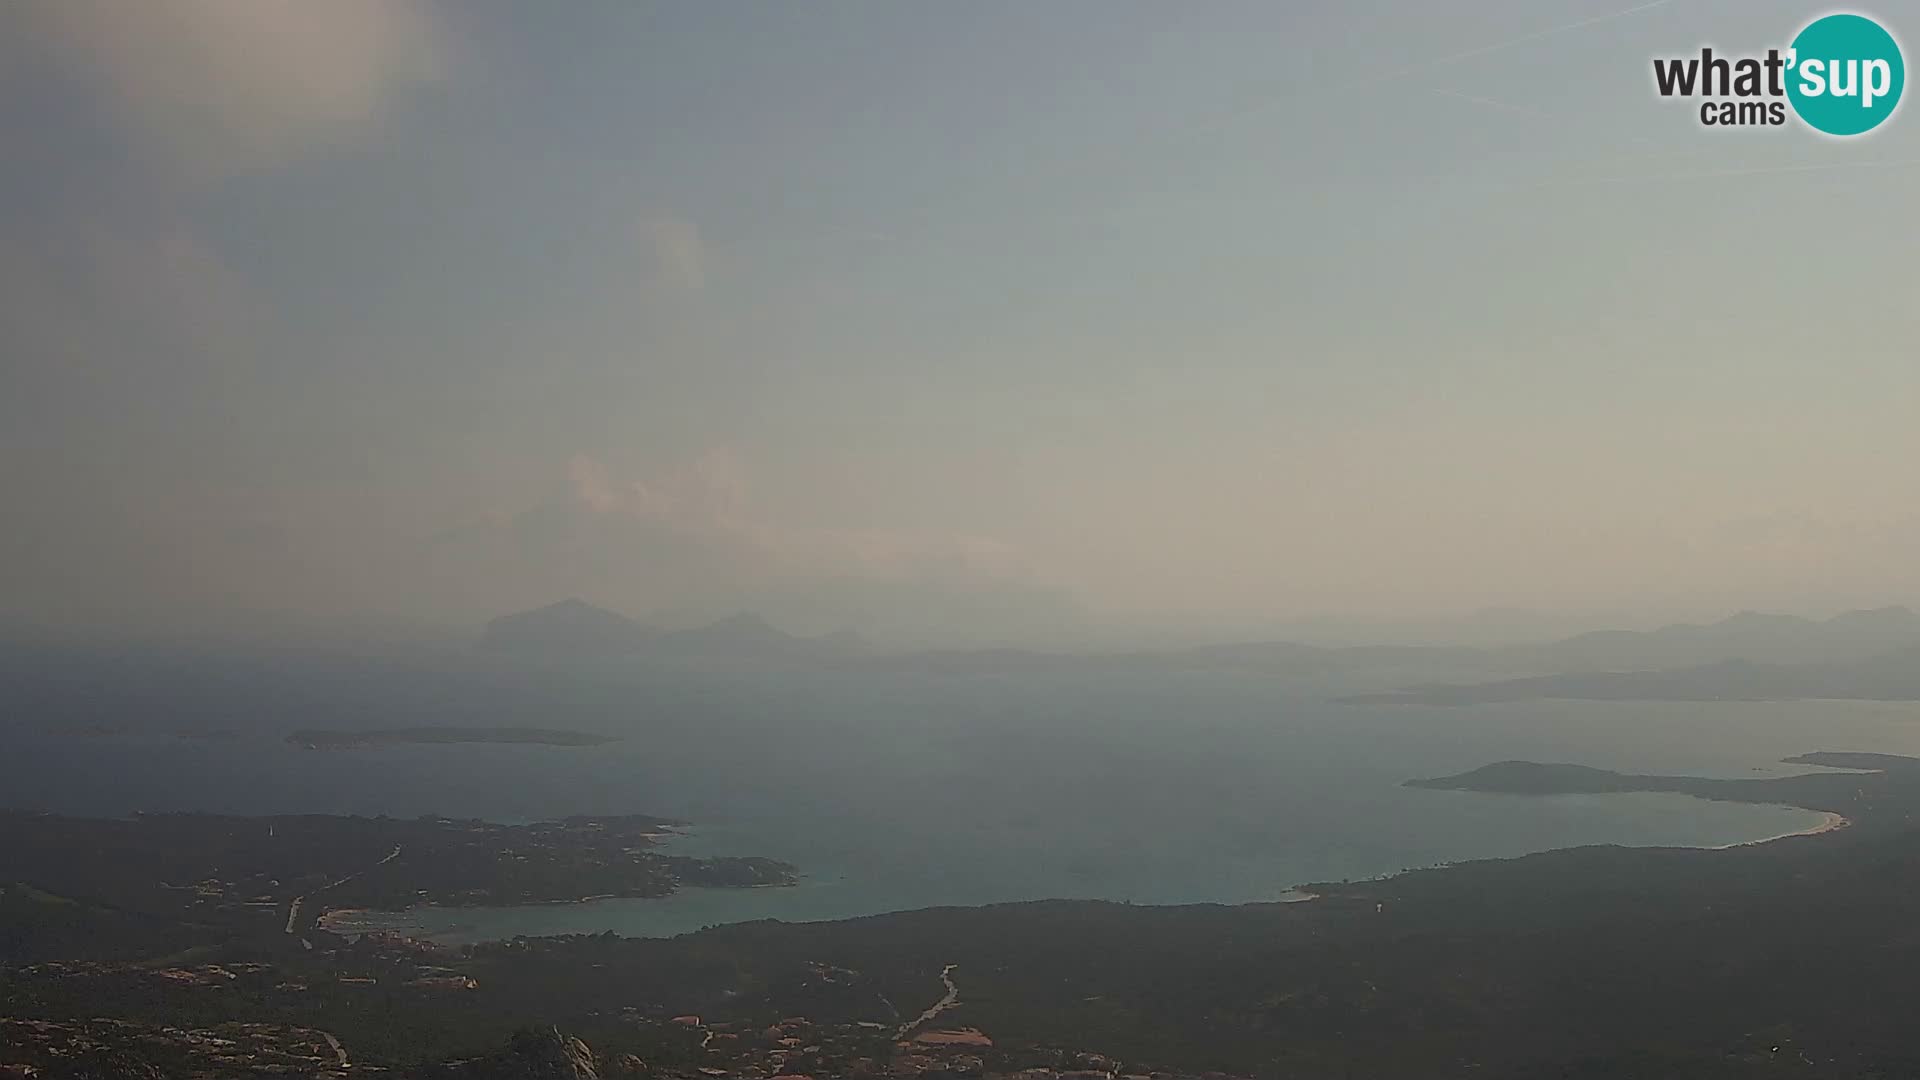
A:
(530, 1054)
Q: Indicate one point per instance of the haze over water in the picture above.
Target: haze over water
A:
(1067, 327)
(902, 791)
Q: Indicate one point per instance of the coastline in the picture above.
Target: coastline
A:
(327, 919)
(457, 924)
(1830, 821)
(675, 914)
(332, 918)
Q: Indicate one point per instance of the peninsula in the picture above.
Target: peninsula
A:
(340, 739)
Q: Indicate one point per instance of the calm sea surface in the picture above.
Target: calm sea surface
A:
(893, 792)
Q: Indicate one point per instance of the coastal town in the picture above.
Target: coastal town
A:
(683, 1046)
(289, 872)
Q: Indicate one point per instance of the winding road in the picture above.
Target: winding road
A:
(293, 909)
(339, 1051)
(948, 1001)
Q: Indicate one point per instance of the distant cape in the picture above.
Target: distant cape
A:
(1749, 656)
(575, 628)
(1860, 655)
(1893, 677)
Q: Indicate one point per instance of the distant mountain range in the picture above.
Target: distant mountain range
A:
(1861, 655)
(1765, 639)
(1778, 639)
(1746, 656)
(570, 627)
(575, 628)
(1274, 657)
(1893, 677)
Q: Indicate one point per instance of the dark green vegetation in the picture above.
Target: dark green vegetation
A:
(1790, 958)
(327, 739)
(89, 888)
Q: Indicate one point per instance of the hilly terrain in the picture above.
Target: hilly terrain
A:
(574, 628)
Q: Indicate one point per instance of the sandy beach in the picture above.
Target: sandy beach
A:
(1829, 822)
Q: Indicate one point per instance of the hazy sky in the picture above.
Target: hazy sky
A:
(981, 317)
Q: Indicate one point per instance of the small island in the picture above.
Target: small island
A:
(342, 739)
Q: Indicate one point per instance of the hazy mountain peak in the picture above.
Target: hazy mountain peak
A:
(571, 608)
(1748, 635)
(845, 640)
(745, 622)
(1893, 615)
(568, 626)
(573, 627)
(1757, 619)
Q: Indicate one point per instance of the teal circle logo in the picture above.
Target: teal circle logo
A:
(1845, 74)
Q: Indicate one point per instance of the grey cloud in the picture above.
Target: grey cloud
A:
(210, 87)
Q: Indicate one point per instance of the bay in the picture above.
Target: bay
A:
(895, 791)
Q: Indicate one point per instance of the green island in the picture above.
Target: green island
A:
(1761, 960)
(333, 739)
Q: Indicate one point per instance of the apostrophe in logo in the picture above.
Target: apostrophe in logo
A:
(1842, 75)
(1847, 74)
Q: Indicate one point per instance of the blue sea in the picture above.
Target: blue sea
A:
(896, 791)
